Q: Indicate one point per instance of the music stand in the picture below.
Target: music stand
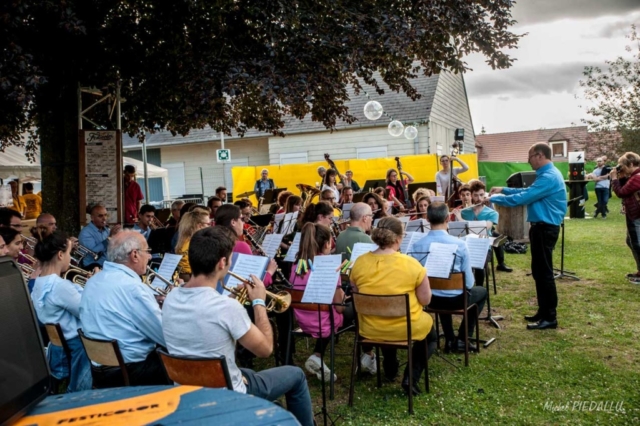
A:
(271, 195)
(413, 187)
(262, 220)
(561, 273)
(370, 185)
(357, 198)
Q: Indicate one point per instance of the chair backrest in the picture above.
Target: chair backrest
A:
(103, 352)
(396, 305)
(206, 372)
(454, 282)
(56, 337)
(296, 302)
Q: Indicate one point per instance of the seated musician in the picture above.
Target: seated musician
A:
(380, 192)
(190, 223)
(373, 273)
(377, 206)
(483, 212)
(146, 216)
(3, 247)
(174, 218)
(13, 241)
(47, 220)
(245, 212)
(10, 218)
(117, 305)
(57, 300)
(464, 192)
(395, 189)
(438, 216)
(360, 223)
(293, 204)
(95, 236)
(348, 181)
(214, 203)
(421, 208)
(218, 322)
(278, 206)
(346, 196)
(329, 182)
(328, 196)
(221, 192)
(316, 241)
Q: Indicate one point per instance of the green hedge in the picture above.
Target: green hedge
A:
(498, 173)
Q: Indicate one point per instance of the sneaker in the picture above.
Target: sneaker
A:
(368, 363)
(634, 280)
(633, 275)
(313, 365)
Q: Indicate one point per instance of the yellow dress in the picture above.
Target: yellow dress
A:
(184, 266)
(34, 206)
(388, 274)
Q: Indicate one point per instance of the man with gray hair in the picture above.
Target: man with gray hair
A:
(360, 223)
(263, 184)
(116, 305)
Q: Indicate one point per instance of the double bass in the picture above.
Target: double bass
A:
(332, 165)
(405, 189)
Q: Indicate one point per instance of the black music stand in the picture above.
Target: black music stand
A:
(413, 187)
(370, 185)
(262, 220)
(561, 273)
(271, 195)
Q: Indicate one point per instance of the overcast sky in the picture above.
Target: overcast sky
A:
(541, 89)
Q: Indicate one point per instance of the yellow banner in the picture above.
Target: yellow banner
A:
(423, 168)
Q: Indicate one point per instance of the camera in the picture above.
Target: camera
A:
(619, 168)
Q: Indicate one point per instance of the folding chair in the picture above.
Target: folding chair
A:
(456, 282)
(104, 352)
(191, 371)
(389, 307)
(56, 338)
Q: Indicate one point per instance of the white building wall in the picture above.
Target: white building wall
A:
(203, 155)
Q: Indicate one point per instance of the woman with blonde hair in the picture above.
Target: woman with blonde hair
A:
(190, 223)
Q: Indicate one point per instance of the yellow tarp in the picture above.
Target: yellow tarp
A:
(423, 168)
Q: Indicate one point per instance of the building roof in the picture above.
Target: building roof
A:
(514, 146)
(396, 105)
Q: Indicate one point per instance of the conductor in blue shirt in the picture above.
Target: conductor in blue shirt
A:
(263, 184)
(546, 201)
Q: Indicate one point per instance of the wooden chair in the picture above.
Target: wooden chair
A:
(456, 282)
(392, 306)
(56, 338)
(191, 371)
(104, 352)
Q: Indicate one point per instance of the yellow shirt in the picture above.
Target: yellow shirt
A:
(18, 204)
(34, 206)
(184, 266)
(387, 274)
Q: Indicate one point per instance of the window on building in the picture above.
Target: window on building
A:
(294, 158)
(372, 152)
(558, 149)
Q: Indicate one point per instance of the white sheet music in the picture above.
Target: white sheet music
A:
(169, 265)
(361, 248)
(293, 250)
(437, 198)
(409, 240)
(440, 260)
(277, 220)
(323, 279)
(418, 225)
(246, 265)
(458, 229)
(289, 222)
(478, 248)
(346, 211)
(271, 244)
(478, 227)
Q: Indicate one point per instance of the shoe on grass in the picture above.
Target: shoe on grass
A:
(634, 280)
(368, 363)
(313, 365)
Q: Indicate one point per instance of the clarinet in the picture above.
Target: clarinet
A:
(261, 252)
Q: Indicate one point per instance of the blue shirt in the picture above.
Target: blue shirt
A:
(117, 305)
(461, 264)
(57, 300)
(485, 214)
(602, 184)
(261, 187)
(95, 240)
(546, 199)
(144, 233)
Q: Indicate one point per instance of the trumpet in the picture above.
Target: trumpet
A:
(156, 224)
(26, 271)
(278, 303)
(151, 274)
(32, 261)
(260, 251)
(30, 242)
(78, 276)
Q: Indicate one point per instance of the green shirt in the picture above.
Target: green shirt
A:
(348, 238)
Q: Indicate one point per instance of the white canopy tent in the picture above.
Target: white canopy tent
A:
(153, 171)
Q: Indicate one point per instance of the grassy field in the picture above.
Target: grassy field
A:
(563, 376)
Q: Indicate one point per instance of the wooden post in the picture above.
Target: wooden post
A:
(513, 222)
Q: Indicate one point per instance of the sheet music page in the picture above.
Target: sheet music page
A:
(440, 260)
(360, 249)
(289, 222)
(346, 211)
(416, 237)
(418, 225)
(458, 229)
(437, 198)
(323, 279)
(478, 248)
(375, 223)
(277, 219)
(271, 244)
(478, 227)
(404, 219)
(168, 266)
(246, 265)
(293, 250)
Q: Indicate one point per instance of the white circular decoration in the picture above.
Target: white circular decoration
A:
(373, 110)
(396, 128)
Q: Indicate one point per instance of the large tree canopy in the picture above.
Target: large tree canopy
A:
(229, 64)
(615, 94)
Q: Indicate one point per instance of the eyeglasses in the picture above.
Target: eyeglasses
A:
(533, 155)
(147, 250)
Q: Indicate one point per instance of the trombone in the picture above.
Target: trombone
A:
(26, 271)
(80, 252)
(156, 224)
(278, 303)
(78, 275)
(30, 242)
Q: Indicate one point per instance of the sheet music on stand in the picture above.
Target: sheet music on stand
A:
(346, 211)
(271, 244)
(293, 250)
(459, 228)
(167, 268)
(492, 240)
(418, 225)
(477, 227)
(361, 248)
(289, 222)
(437, 199)
(409, 240)
(403, 219)
(323, 280)
(277, 223)
(440, 260)
(245, 265)
(478, 248)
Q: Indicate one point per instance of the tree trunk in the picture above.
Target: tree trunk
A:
(58, 129)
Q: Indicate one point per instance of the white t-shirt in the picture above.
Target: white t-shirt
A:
(201, 322)
(442, 180)
(336, 192)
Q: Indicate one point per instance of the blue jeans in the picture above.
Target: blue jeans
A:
(633, 239)
(602, 194)
(80, 368)
(286, 380)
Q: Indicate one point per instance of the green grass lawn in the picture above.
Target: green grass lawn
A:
(592, 357)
